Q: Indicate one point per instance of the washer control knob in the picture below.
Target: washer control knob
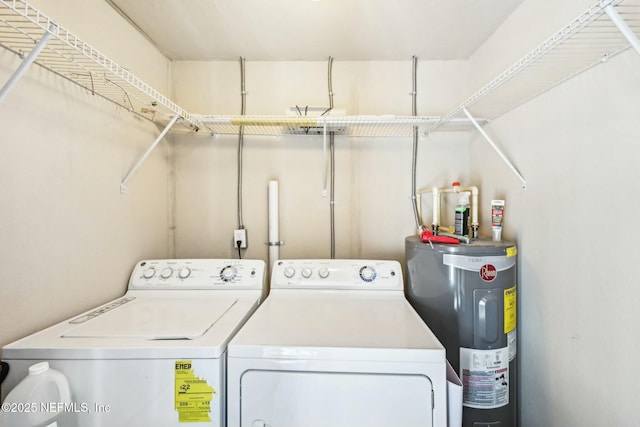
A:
(323, 272)
(289, 272)
(228, 273)
(184, 273)
(368, 274)
(166, 273)
(149, 273)
(306, 272)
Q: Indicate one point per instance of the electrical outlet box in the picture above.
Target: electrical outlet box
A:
(240, 238)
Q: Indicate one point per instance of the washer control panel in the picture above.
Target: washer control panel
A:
(198, 274)
(337, 274)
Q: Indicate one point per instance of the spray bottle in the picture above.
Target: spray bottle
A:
(462, 214)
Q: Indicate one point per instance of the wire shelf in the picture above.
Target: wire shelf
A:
(355, 126)
(590, 39)
(22, 26)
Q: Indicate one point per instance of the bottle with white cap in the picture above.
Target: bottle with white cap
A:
(39, 400)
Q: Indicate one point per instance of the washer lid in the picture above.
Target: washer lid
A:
(153, 319)
(336, 325)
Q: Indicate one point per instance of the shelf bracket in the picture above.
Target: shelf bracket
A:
(27, 61)
(495, 147)
(621, 24)
(134, 169)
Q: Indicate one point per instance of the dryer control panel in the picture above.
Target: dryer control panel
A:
(198, 274)
(337, 274)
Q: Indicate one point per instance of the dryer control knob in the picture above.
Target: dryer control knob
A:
(184, 273)
(323, 272)
(289, 272)
(149, 273)
(228, 273)
(166, 273)
(368, 274)
(306, 272)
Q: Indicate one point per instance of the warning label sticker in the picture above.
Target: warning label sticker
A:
(485, 377)
(509, 309)
(193, 394)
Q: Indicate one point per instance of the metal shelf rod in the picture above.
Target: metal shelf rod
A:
(123, 184)
(622, 25)
(495, 147)
(26, 62)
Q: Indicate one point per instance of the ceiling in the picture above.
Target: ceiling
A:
(277, 30)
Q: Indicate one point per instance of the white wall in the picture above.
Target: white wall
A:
(68, 238)
(575, 225)
(373, 175)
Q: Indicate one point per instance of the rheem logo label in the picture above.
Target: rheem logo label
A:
(488, 272)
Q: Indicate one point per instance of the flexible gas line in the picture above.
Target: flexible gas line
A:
(243, 95)
(241, 143)
(332, 204)
(414, 157)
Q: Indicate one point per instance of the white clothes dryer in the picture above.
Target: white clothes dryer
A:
(157, 355)
(336, 344)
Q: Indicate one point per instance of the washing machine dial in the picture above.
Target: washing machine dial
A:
(289, 272)
(323, 272)
(166, 273)
(228, 273)
(184, 273)
(149, 273)
(367, 273)
(306, 272)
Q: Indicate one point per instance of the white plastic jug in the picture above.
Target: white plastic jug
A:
(38, 400)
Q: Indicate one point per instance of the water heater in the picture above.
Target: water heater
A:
(466, 294)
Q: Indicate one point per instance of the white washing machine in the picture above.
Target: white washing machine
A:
(154, 357)
(336, 344)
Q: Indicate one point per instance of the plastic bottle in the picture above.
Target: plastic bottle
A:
(462, 214)
(39, 400)
(497, 215)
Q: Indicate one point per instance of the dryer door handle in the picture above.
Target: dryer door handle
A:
(259, 423)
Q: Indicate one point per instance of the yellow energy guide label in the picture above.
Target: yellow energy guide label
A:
(193, 394)
(509, 309)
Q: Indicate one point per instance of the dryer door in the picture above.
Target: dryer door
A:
(336, 399)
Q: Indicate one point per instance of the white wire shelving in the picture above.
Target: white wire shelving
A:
(590, 39)
(604, 30)
(24, 29)
(353, 126)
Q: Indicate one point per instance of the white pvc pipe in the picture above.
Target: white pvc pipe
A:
(436, 210)
(274, 239)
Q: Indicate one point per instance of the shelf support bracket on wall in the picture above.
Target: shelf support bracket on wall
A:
(27, 61)
(123, 184)
(621, 24)
(495, 147)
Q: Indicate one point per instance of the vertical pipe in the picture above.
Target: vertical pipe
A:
(273, 242)
(26, 62)
(243, 95)
(332, 154)
(414, 156)
(332, 203)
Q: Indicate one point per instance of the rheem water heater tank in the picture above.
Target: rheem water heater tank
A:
(467, 296)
